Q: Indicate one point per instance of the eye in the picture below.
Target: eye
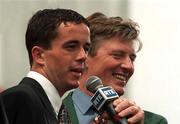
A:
(132, 57)
(121, 55)
(118, 55)
(72, 45)
(87, 48)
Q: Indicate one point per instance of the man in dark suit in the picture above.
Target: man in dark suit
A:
(114, 44)
(57, 41)
(3, 115)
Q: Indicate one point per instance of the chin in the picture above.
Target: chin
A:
(120, 91)
(74, 84)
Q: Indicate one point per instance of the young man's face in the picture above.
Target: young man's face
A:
(113, 63)
(65, 61)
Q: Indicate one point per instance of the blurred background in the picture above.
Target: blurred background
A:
(156, 81)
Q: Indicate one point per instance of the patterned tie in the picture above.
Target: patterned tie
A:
(63, 115)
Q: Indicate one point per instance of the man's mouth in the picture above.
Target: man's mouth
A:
(121, 77)
(77, 70)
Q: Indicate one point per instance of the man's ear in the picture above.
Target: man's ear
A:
(38, 55)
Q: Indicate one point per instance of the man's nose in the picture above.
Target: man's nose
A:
(127, 64)
(82, 55)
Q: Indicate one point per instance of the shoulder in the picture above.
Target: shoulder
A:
(153, 118)
(16, 92)
(21, 98)
(23, 105)
(25, 88)
(20, 94)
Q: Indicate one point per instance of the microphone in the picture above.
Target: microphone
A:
(103, 97)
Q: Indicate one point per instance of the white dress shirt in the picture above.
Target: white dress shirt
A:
(49, 89)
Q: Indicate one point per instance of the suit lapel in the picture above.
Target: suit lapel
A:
(39, 92)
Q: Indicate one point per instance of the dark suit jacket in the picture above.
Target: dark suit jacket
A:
(3, 115)
(27, 103)
(150, 118)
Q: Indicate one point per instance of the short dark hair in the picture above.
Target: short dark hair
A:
(42, 27)
(103, 27)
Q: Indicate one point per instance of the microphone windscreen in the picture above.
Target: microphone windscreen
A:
(93, 83)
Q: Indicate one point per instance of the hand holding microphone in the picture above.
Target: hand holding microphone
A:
(106, 99)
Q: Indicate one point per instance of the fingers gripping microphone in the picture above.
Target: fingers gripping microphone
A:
(103, 97)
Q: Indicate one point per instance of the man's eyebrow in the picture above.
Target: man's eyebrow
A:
(72, 41)
(122, 52)
(118, 52)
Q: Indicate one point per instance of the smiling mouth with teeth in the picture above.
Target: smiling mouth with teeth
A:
(121, 77)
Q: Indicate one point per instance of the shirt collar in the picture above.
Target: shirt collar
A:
(49, 89)
(81, 100)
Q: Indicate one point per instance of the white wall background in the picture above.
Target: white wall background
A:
(156, 81)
